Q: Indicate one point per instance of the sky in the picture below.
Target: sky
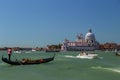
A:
(37, 23)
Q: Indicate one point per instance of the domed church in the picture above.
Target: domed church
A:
(87, 43)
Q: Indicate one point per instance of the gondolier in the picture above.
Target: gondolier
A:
(9, 51)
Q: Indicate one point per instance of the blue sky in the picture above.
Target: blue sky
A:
(41, 22)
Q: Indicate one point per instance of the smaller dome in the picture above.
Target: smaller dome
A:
(80, 36)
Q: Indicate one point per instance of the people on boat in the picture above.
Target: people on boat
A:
(26, 60)
(83, 53)
(41, 60)
(9, 51)
(23, 60)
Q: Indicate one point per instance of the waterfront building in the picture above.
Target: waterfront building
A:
(82, 43)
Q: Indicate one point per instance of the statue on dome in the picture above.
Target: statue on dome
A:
(90, 30)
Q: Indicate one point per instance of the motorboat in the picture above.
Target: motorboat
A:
(87, 55)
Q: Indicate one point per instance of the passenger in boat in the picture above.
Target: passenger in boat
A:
(83, 53)
(9, 51)
(23, 60)
(26, 60)
(41, 60)
(86, 53)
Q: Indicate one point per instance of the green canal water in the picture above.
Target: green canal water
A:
(105, 67)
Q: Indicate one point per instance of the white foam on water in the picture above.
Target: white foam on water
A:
(110, 69)
(100, 57)
(2, 64)
(69, 56)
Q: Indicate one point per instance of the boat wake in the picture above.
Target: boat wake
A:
(82, 57)
(98, 57)
(109, 69)
(68, 56)
(2, 64)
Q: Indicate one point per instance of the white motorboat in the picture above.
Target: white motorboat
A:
(83, 56)
(33, 50)
(86, 55)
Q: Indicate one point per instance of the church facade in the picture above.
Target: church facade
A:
(82, 43)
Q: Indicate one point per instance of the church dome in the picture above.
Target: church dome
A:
(90, 35)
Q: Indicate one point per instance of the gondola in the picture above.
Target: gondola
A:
(28, 62)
